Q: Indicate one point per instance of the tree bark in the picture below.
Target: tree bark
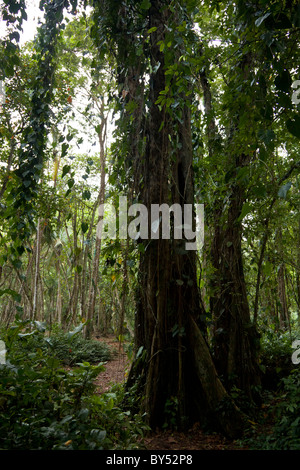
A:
(235, 338)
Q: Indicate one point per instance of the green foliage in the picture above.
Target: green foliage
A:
(43, 406)
(171, 413)
(68, 349)
(12, 13)
(275, 358)
(21, 209)
(242, 401)
(123, 421)
(284, 431)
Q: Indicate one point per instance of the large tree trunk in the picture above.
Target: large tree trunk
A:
(176, 369)
(235, 338)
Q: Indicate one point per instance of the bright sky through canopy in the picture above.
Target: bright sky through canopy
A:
(29, 26)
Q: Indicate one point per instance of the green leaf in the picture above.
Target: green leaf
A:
(17, 297)
(86, 194)
(71, 182)
(141, 248)
(152, 30)
(267, 136)
(145, 5)
(64, 149)
(259, 190)
(245, 210)
(14, 35)
(284, 189)
(261, 19)
(25, 335)
(41, 326)
(243, 174)
(65, 170)
(293, 126)
(76, 330)
(140, 351)
(84, 226)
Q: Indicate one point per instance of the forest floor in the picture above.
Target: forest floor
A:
(194, 439)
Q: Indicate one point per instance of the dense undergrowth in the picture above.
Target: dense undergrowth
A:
(280, 418)
(46, 405)
(48, 398)
(277, 422)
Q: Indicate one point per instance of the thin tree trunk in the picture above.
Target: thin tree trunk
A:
(265, 239)
(284, 316)
(284, 320)
(58, 307)
(298, 273)
(101, 198)
(85, 278)
(124, 293)
(72, 308)
(37, 270)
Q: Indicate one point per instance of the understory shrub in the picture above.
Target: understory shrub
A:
(77, 349)
(284, 433)
(69, 347)
(44, 406)
(275, 358)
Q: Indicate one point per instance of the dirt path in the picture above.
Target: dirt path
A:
(116, 368)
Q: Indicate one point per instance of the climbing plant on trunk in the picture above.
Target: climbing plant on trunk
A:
(21, 210)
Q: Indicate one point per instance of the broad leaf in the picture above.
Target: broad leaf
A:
(293, 126)
(284, 189)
